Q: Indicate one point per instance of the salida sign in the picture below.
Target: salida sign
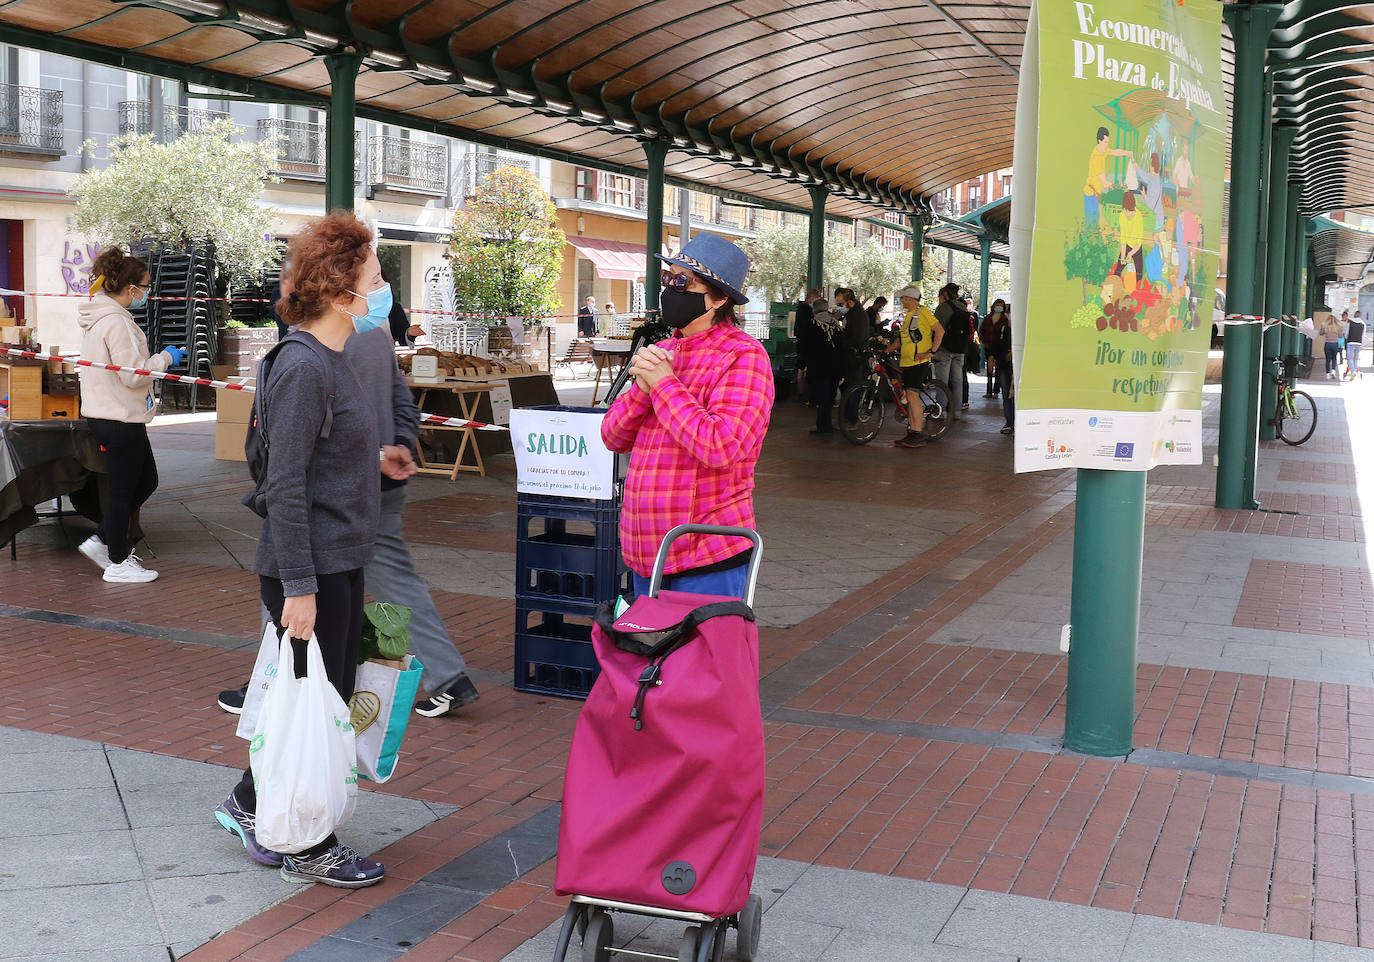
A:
(558, 451)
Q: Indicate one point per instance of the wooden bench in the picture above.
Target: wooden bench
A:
(579, 352)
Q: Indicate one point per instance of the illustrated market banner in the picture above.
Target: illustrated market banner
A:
(1121, 130)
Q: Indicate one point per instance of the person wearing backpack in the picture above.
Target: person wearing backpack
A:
(948, 362)
(118, 405)
(318, 489)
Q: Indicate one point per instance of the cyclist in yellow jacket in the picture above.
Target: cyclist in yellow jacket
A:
(920, 336)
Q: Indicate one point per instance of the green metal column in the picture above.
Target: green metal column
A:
(655, 153)
(1108, 544)
(984, 262)
(1275, 274)
(1292, 288)
(918, 245)
(815, 239)
(1250, 26)
(338, 131)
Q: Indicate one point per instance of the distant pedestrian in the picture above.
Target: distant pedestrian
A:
(825, 365)
(949, 357)
(117, 406)
(919, 337)
(1354, 340)
(857, 332)
(1000, 347)
(608, 316)
(586, 318)
(803, 330)
(985, 341)
(1333, 329)
(875, 313)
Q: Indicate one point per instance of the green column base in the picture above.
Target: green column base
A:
(1269, 391)
(1108, 545)
(1235, 487)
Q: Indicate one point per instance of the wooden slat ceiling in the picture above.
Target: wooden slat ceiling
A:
(1341, 252)
(885, 102)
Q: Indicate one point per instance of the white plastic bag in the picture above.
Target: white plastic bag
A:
(264, 671)
(303, 755)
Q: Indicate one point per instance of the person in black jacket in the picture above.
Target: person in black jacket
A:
(1001, 350)
(804, 330)
(857, 332)
(586, 318)
(825, 364)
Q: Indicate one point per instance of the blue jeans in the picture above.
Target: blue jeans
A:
(728, 583)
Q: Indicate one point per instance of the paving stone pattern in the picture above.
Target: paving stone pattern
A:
(919, 805)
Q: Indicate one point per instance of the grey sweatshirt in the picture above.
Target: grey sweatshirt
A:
(373, 357)
(323, 495)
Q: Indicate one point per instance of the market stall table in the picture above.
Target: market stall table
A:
(41, 461)
(467, 395)
(609, 355)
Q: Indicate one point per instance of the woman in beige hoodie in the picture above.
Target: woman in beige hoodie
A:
(118, 405)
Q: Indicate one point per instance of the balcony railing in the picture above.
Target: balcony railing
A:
(408, 164)
(31, 120)
(477, 167)
(169, 123)
(301, 148)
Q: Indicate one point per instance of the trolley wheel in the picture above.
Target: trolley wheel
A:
(596, 941)
(861, 413)
(1299, 427)
(689, 944)
(750, 926)
(719, 931)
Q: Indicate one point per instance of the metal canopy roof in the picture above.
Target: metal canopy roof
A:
(1341, 252)
(886, 101)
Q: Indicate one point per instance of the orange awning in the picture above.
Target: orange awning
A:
(614, 260)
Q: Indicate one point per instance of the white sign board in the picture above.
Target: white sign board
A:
(559, 452)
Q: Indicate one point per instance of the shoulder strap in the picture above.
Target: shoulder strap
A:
(259, 400)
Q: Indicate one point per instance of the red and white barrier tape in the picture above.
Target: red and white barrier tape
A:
(1236, 320)
(431, 419)
(408, 310)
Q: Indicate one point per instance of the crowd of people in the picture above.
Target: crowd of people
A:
(839, 340)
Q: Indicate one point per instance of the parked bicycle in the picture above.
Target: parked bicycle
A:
(1295, 414)
(862, 409)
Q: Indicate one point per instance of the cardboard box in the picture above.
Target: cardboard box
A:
(232, 412)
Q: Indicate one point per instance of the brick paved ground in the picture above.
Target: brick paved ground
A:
(913, 688)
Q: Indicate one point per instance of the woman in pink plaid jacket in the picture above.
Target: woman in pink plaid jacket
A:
(694, 421)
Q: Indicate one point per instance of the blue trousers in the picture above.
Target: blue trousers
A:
(729, 583)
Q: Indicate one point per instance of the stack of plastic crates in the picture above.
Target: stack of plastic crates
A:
(567, 561)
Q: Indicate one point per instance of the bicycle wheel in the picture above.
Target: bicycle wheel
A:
(861, 413)
(1297, 424)
(935, 400)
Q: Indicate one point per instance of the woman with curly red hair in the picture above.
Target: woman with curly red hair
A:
(322, 494)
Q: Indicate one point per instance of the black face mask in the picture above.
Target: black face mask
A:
(680, 308)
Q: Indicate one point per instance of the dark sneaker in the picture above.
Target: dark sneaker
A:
(460, 693)
(231, 699)
(910, 442)
(340, 867)
(242, 823)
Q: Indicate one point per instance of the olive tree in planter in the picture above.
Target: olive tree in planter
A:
(506, 252)
(197, 193)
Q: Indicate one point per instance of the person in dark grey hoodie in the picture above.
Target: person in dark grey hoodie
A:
(323, 494)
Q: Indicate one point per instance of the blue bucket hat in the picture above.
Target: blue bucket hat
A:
(717, 260)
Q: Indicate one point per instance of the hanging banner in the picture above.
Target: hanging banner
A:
(1121, 132)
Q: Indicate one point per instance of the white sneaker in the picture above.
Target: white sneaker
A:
(129, 571)
(96, 550)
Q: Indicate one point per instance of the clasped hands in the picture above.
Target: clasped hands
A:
(650, 365)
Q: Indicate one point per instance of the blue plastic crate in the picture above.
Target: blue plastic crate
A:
(575, 572)
(553, 655)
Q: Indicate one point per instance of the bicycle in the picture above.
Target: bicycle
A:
(862, 409)
(1293, 406)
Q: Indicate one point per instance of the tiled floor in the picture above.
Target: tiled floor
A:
(892, 748)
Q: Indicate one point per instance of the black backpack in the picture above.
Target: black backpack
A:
(255, 444)
(956, 339)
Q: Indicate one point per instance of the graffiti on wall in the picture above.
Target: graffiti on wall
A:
(76, 266)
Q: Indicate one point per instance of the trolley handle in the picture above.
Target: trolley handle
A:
(756, 558)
